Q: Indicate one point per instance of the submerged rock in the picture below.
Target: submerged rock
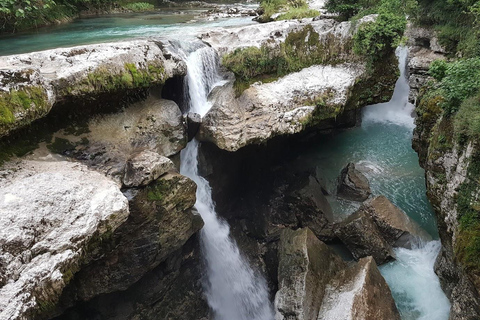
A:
(51, 212)
(361, 236)
(145, 167)
(352, 184)
(395, 225)
(359, 293)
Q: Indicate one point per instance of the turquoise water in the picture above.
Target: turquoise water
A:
(163, 23)
(381, 147)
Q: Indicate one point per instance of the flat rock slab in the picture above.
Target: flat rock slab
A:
(49, 212)
(281, 107)
(83, 71)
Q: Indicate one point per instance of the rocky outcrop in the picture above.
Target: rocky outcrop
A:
(51, 213)
(32, 84)
(362, 237)
(352, 184)
(146, 167)
(398, 229)
(314, 283)
(322, 96)
(448, 169)
(113, 143)
(423, 48)
(193, 120)
(160, 223)
(282, 107)
(306, 265)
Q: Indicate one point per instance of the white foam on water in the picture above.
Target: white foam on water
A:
(234, 290)
(414, 284)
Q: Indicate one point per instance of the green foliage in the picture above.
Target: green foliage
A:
(294, 9)
(460, 81)
(467, 120)
(438, 69)
(377, 39)
(299, 13)
(345, 8)
(139, 6)
(468, 206)
(157, 190)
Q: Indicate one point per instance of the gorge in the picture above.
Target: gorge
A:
(166, 186)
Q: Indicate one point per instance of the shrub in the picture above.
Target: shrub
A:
(377, 39)
(437, 69)
(467, 119)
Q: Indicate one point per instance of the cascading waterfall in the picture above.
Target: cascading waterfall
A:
(234, 290)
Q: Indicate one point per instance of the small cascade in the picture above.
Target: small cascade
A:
(234, 290)
(398, 110)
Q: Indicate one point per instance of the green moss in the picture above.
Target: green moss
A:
(468, 206)
(103, 80)
(301, 49)
(157, 190)
(19, 101)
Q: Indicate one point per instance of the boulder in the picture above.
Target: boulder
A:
(50, 213)
(300, 100)
(395, 225)
(282, 107)
(314, 283)
(161, 221)
(361, 236)
(306, 266)
(359, 293)
(194, 120)
(153, 126)
(352, 184)
(305, 200)
(60, 75)
(145, 167)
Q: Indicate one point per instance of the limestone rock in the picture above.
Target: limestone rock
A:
(53, 76)
(50, 212)
(352, 184)
(145, 167)
(194, 120)
(278, 108)
(306, 265)
(394, 224)
(161, 222)
(361, 236)
(154, 126)
(359, 293)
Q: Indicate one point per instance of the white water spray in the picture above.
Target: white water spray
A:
(398, 110)
(234, 291)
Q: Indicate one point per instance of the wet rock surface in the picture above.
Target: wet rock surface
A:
(362, 237)
(352, 184)
(315, 283)
(394, 224)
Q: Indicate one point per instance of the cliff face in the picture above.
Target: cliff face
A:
(452, 181)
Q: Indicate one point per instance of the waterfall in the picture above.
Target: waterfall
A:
(233, 289)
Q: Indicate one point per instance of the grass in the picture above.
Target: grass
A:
(139, 6)
(290, 9)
